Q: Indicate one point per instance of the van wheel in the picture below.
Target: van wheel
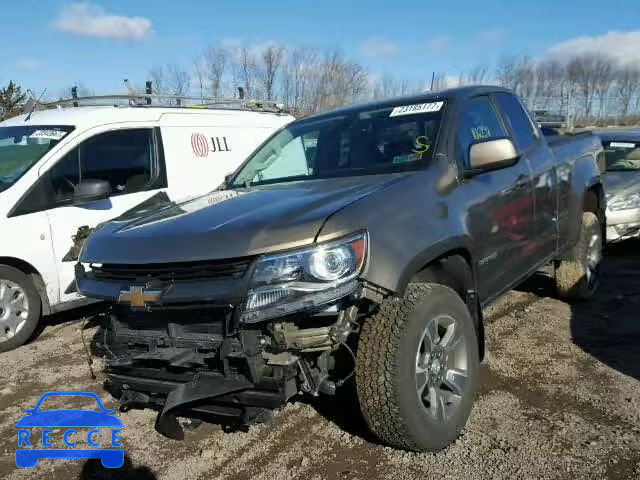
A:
(417, 368)
(578, 276)
(19, 308)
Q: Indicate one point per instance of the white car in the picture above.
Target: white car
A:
(67, 168)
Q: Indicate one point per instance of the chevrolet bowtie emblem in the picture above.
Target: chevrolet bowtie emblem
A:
(138, 297)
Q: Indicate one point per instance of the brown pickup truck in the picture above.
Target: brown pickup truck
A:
(361, 242)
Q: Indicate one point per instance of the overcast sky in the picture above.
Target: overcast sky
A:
(56, 43)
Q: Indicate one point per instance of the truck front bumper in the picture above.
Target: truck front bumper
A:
(183, 364)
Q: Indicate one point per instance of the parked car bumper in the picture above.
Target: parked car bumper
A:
(623, 224)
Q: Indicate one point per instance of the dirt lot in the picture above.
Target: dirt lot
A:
(560, 399)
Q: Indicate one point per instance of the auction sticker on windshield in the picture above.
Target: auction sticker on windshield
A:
(69, 433)
(622, 145)
(417, 108)
(48, 134)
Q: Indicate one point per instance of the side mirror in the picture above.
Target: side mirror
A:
(91, 190)
(491, 155)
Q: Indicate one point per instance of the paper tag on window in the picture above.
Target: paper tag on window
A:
(49, 134)
(622, 145)
(417, 108)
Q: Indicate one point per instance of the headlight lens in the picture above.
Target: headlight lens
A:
(626, 202)
(286, 282)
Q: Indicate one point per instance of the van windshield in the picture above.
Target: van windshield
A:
(21, 147)
(363, 142)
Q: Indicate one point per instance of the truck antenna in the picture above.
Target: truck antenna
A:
(33, 107)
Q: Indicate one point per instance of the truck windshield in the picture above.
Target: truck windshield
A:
(21, 147)
(362, 142)
(622, 155)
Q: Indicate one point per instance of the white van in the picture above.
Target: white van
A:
(67, 168)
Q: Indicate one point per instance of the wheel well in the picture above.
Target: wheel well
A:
(454, 270)
(30, 270)
(594, 200)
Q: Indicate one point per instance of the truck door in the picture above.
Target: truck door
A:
(533, 149)
(500, 217)
(126, 158)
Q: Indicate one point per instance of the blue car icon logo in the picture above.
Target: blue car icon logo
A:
(32, 447)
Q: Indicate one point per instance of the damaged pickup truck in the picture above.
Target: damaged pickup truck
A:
(359, 242)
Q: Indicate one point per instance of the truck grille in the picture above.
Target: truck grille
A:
(173, 272)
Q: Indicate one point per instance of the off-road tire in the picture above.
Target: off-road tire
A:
(571, 273)
(24, 334)
(385, 369)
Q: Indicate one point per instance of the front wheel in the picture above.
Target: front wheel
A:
(578, 275)
(19, 308)
(417, 368)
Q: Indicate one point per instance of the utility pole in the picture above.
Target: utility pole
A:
(433, 78)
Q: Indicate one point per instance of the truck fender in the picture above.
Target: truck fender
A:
(455, 269)
(587, 194)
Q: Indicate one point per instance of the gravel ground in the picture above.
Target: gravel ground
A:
(560, 399)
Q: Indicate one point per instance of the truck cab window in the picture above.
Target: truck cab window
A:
(478, 122)
(524, 134)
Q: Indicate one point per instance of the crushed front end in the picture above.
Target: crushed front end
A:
(229, 341)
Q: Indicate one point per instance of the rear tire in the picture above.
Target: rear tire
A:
(578, 275)
(399, 351)
(20, 308)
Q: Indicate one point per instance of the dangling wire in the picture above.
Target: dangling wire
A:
(86, 350)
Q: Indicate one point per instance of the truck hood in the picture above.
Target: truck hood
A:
(619, 183)
(229, 223)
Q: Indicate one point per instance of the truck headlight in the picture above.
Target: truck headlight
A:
(627, 202)
(287, 282)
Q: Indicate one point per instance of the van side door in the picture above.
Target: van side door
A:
(499, 219)
(534, 150)
(128, 158)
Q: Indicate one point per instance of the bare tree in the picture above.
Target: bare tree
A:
(551, 84)
(215, 64)
(582, 78)
(518, 74)
(340, 82)
(158, 78)
(440, 81)
(300, 68)
(604, 75)
(244, 67)
(628, 86)
(476, 75)
(178, 79)
(386, 86)
(200, 74)
(267, 68)
(506, 73)
(525, 73)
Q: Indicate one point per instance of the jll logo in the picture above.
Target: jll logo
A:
(200, 145)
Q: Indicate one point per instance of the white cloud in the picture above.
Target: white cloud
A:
(28, 64)
(379, 48)
(623, 46)
(437, 44)
(92, 20)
